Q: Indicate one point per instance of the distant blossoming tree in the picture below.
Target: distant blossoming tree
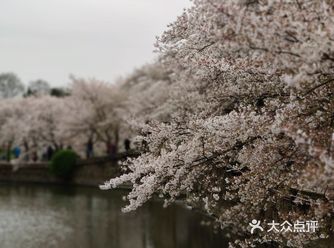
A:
(93, 111)
(147, 89)
(32, 123)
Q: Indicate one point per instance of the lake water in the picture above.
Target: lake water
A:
(41, 216)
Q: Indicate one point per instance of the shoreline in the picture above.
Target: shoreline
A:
(88, 173)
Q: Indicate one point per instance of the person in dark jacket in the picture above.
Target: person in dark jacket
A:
(127, 145)
(89, 149)
(49, 152)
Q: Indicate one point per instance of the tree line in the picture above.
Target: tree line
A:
(12, 86)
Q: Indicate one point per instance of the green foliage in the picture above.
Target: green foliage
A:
(59, 92)
(63, 164)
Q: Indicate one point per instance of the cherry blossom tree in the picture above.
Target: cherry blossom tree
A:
(10, 112)
(93, 112)
(32, 123)
(251, 114)
(147, 89)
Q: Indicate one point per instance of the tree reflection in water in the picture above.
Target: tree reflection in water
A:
(53, 216)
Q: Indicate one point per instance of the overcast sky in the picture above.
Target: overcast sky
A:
(51, 39)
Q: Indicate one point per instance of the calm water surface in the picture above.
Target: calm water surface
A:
(40, 216)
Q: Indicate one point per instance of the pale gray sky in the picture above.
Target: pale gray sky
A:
(50, 39)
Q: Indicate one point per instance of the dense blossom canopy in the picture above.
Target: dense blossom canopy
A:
(251, 106)
(237, 114)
